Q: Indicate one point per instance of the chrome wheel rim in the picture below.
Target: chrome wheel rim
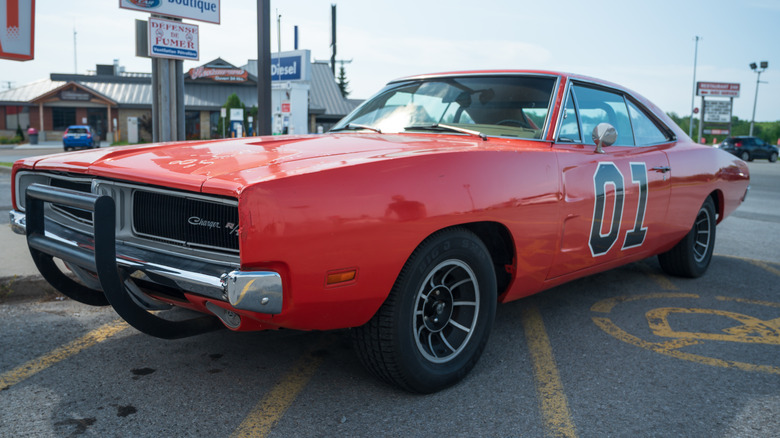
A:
(702, 238)
(446, 311)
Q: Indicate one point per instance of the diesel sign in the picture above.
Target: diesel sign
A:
(286, 68)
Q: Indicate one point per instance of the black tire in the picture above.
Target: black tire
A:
(692, 255)
(434, 325)
(744, 156)
(773, 157)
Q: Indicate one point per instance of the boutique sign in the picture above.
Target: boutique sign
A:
(201, 10)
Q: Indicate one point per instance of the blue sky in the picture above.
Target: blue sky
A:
(645, 46)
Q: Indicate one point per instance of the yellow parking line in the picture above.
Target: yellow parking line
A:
(552, 399)
(763, 265)
(36, 365)
(272, 407)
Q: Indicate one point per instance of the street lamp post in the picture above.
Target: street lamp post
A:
(758, 69)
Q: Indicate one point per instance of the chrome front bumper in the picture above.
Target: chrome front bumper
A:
(255, 291)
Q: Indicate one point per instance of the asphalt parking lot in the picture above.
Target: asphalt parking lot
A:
(629, 352)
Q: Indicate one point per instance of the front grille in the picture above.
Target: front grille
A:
(185, 221)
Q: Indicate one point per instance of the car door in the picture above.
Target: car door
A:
(761, 148)
(612, 201)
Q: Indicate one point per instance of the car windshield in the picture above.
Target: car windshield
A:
(512, 106)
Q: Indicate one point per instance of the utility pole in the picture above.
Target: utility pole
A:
(75, 58)
(333, 38)
(693, 92)
(264, 67)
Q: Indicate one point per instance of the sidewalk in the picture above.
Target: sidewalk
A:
(19, 278)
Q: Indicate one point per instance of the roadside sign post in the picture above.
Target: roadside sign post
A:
(223, 114)
(170, 41)
(716, 111)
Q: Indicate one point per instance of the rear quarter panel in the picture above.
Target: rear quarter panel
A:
(697, 172)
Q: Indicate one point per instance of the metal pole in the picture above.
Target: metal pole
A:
(263, 67)
(179, 71)
(75, 57)
(693, 92)
(333, 38)
(164, 71)
(701, 119)
(155, 100)
(755, 100)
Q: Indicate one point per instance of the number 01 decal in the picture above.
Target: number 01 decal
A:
(607, 174)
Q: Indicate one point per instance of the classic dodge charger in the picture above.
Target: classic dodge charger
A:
(408, 222)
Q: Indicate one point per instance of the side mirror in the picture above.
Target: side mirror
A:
(604, 134)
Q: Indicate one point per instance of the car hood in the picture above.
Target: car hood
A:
(227, 166)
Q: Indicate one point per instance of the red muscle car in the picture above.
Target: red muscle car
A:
(408, 222)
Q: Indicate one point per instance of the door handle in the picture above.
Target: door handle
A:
(662, 169)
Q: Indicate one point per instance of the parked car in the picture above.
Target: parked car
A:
(80, 136)
(420, 211)
(750, 148)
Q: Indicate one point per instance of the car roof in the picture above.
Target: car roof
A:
(79, 126)
(561, 74)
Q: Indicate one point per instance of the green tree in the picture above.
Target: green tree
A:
(343, 82)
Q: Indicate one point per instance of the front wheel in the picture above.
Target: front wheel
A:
(691, 256)
(434, 325)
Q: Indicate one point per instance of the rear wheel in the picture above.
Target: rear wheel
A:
(745, 156)
(434, 325)
(691, 256)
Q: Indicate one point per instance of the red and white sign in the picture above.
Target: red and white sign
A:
(219, 74)
(17, 29)
(173, 39)
(286, 106)
(720, 89)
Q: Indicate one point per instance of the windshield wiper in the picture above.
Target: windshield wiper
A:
(354, 126)
(442, 127)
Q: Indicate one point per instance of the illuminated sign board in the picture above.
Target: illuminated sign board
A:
(719, 89)
(219, 74)
(291, 66)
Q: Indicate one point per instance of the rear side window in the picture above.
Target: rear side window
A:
(645, 131)
(588, 106)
